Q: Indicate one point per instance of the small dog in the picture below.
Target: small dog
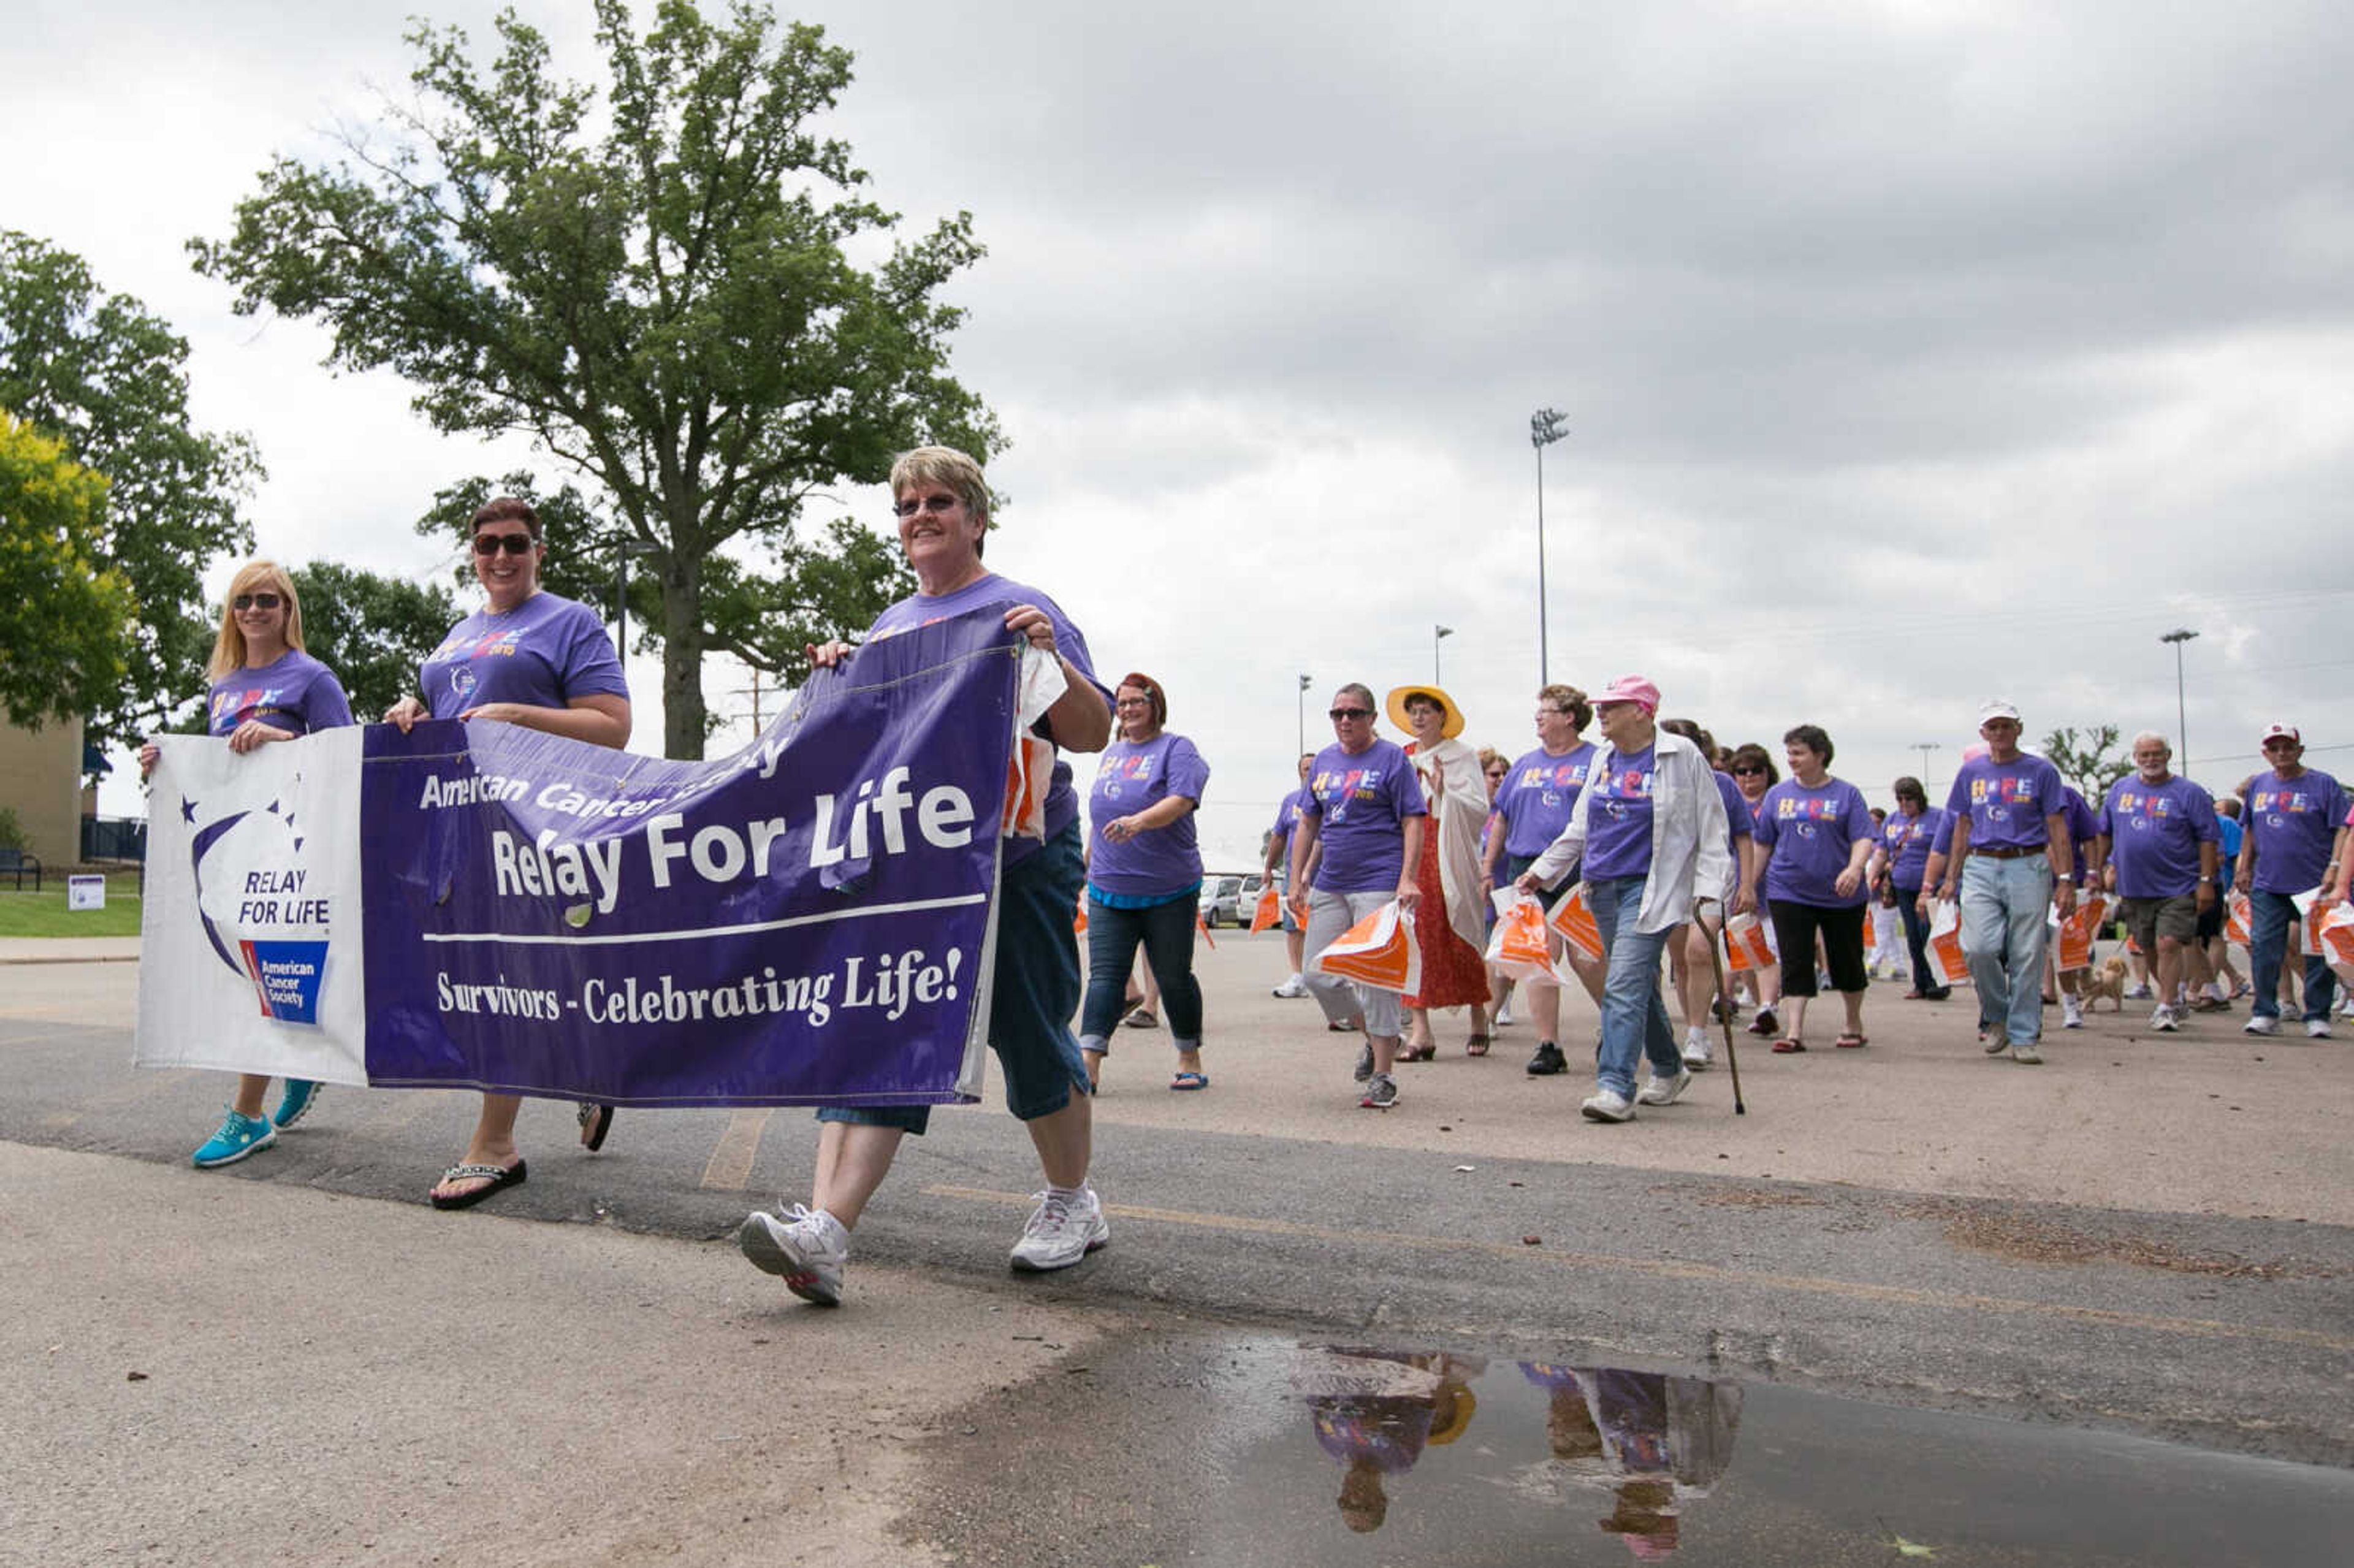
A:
(2109, 981)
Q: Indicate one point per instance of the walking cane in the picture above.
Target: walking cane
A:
(1723, 1008)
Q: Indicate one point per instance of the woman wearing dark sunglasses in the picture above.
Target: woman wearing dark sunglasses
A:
(537, 661)
(265, 688)
(1754, 773)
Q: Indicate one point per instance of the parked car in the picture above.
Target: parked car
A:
(1222, 900)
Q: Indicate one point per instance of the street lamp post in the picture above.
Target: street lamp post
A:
(1546, 427)
(623, 548)
(2179, 636)
(1437, 632)
(1304, 680)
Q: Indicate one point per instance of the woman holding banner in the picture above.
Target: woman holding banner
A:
(265, 688)
(1649, 832)
(1365, 811)
(941, 501)
(534, 660)
(1144, 877)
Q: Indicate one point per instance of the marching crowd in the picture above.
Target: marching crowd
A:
(1663, 844)
(1675, 844)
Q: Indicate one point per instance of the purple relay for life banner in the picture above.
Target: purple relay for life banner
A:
(810, 921)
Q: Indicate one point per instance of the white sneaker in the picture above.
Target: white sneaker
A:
(1504, 1013)
(2165, 1019)
(1659, 1091)
(808, 1248)
(1063, 1229)
(2139, 993)
(1608, 1104)
(2071, 1011)
(1698, 1053)
(1294, 986)
(2260, 1024)
(2027, 1053)
(2316, 1029)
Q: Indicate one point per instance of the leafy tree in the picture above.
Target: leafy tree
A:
(65, 617)
(2085, 761)
(109, 379)
(664, 304)
(372, 631)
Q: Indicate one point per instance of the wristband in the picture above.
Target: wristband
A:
(2065, 876)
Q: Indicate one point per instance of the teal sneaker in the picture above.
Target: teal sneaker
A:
(301, 1094)
(239, 1136)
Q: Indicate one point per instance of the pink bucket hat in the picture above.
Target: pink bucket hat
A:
(1630, 689)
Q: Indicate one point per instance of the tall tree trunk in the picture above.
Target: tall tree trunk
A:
(683, 711)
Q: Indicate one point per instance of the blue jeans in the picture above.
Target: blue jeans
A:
(1166, 931)
(2269, 917)
(2004, 905)
(1634, 1018)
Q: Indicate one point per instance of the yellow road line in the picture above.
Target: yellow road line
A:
(730, 1169)
(1703, 1273)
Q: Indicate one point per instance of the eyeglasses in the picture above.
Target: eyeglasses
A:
(1337, 715)
(512, 544)
(935, 504)
(1132, 703)
(256, 601)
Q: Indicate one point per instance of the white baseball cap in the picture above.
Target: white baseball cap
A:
(1996, 708)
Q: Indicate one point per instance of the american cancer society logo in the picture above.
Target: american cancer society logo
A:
(263, 913)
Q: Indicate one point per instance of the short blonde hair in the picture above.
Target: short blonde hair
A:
(262, 577)
(943, 465)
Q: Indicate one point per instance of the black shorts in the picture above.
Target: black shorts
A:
(1842, 926)
(1517, 865)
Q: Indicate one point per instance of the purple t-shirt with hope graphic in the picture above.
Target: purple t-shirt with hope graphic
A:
(2007, 803)
(1286, 817)
(2294, 820)
(1361, 801)
(2155, 832)
(1618, 817)
(1740, 823)
(542, 653)
(293, 692)
(1131, 777)
(2082, 823)
(921, 610)
(1812, 833)
(1538, 795)
(1908, 840)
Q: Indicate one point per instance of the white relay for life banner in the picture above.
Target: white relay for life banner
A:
(250, 939)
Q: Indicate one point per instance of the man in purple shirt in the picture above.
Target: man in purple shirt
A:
(2294, 842)
(1364, 810)
(2157, 849)
(1278, 858)
(2010, 815)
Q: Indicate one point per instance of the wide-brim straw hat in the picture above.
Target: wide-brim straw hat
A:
(1396, 705)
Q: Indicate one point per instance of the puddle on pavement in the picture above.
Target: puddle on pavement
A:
(1270, 1451)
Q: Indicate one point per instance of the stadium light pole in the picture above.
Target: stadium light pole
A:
(1546, 427)
(623, 550)
(1304, 682)
(1925, 747)
(1436, 632)
(2179, 636)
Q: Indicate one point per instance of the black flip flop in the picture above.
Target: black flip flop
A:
(596, 1121)
(501, 1177)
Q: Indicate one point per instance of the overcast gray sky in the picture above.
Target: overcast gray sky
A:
(1913, 352)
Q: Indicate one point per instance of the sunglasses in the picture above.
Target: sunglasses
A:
(936, 505)
(512, 544)
(1741, 767)
(1337, 715)
(256, 601)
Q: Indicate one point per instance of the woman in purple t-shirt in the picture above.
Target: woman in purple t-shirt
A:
(1144, 876)
(536, 660)
(264, 688)
(1818, 835)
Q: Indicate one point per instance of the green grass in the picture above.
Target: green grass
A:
(44, 914)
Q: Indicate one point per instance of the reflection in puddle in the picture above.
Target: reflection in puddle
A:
(1645, 1443)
